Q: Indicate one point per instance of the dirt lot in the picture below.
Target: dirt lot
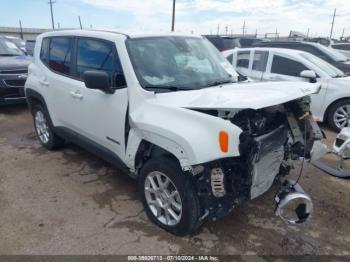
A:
(70, 202)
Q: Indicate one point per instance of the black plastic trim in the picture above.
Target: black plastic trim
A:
(91, 146)
(30, 93)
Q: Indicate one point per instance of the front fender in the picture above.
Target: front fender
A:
(191, 136)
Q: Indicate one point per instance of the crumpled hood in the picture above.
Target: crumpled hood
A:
(237, 95)
(14, 62)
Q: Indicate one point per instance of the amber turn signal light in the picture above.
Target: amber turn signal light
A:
(223, 141)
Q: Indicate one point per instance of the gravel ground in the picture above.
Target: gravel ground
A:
(70, 202)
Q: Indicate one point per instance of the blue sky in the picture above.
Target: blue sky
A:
(199, 16)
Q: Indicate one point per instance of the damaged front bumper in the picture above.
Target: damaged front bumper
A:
(225, 183)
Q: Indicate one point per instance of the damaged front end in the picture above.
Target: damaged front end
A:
(272, 139)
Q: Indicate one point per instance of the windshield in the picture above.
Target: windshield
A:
(7, 48)
(178, 62)
(17, 41)
(335, 55)
(323, 65)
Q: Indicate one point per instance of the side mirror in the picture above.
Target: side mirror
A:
(98, 80)
(309, 74)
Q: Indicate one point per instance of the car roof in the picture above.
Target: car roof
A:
(101, 32)
(287, 42)
(341, 44)
(276, 50)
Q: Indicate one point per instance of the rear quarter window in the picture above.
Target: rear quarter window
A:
(243, 59)
(260, 60)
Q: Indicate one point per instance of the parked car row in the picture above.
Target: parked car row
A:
(325, 53)
(13, 72)
(172, 112)
(223, 43)
(331, 104)
(343, 48)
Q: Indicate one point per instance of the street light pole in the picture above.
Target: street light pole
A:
(52, 18)
(173, 20)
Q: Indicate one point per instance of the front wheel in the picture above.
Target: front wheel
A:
(168, 196)
(339, 115)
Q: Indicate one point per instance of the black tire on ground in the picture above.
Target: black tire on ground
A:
(53, 142)
(332, 111)
(189, 220)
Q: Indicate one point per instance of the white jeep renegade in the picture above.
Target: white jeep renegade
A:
(173, 113)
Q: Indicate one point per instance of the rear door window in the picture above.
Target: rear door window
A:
(260, 60)
(60, 54)
(243, 59)
(285, 66)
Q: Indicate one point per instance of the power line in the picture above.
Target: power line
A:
(51, 2)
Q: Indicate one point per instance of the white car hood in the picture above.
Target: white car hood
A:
(342, 81)
(237, 95)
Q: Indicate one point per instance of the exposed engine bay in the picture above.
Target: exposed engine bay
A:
(271, 140)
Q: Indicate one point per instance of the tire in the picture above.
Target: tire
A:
(186, 197)
(44, 129)
(343, 108)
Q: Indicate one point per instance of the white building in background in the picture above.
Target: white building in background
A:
(28, 33)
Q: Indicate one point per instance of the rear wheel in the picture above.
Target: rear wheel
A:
(168, 196)
(44, 129)
(339, 115)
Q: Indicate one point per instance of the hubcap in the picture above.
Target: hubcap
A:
(163, 198)
(342, 116)
(42, 127)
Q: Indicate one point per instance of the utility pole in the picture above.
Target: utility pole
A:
(218, 32)
(173, 20)
(342, 35)
(20, 27)
(308, 32)
(226, 29)
(276, 34)
(256, 33)
(81, 26)
(51, 9)
(334, 15)
(243, 28)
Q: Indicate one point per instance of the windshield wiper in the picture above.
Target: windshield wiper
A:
(171, 88)
(8, 55)
(217, 83)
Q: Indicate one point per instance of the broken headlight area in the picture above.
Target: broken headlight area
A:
(271, 139)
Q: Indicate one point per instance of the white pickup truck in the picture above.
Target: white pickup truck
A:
(171, 111)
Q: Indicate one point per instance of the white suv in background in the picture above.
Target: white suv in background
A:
(170, 111)
(331, 104)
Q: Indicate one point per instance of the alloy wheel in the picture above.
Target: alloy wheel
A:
(163, 198)
(42, 127)
(342, 116)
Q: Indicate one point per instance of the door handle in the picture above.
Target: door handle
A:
(44, 82)
(77, 95)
